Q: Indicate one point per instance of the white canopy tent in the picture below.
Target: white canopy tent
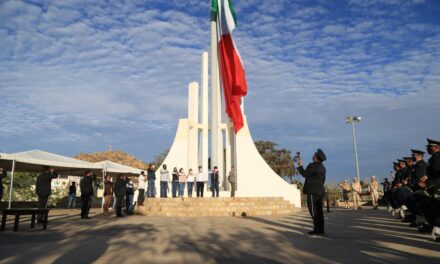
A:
(110, 167)
(36, 160)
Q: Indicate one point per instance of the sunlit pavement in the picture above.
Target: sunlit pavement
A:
(366, 236)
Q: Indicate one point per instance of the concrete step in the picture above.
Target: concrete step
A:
(221, 206)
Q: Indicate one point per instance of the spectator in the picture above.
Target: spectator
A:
(129, 197)
(141, 189)
(201, 179)
(72, 196)
(232, 178)
(151, 176)
(43, 188)
(345, 190)
(86, 186)
(164, 179)
(120, 190)
(191, 179)
(175, 184)
(215, 182)
(182, 181)
(108, 193)
(357, 189)
(373, 188)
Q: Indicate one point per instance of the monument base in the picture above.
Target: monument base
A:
(220, 206)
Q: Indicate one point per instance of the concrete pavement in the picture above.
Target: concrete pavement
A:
(367, 236)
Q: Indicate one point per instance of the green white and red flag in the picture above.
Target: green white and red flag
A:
(232, 72)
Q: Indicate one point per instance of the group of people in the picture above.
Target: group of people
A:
(414, 193)
(179, 180)
(356, 190)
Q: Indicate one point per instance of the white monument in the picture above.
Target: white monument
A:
(199, 135)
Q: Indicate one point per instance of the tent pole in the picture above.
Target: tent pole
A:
(12, 183)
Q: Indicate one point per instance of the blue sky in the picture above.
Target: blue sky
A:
(78, 76)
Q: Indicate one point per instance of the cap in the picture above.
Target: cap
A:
(416, 151)
(321, 155)
(373, 177)
(407, 158)
(432, 142)
(401, 160)
(395, 163)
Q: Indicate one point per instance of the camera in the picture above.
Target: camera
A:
(297, 156)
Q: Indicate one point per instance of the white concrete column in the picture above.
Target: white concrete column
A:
(203, 152)
(193, 122)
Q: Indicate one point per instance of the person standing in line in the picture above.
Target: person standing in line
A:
(175, 184)
(151, 176)
(43, 188)
(373, 188)
(419, 169)
(72, 196)
(201, 179)
(182, 181)
(129, 197)
(3, 174)
(141, 189)
(356, 189)
(164, 179)
(232, 178)
(345, 190)
(215, 182)
(108, 193)
(86, 186)
(191, 179)
(314, 176)
(120, 191)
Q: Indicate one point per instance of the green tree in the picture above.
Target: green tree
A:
(158, 159)
(24, 187)
(280, 160)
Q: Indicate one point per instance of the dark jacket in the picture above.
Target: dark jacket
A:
(214, 177)
(175, 176)
(417, 172)
(433, 173)
(151, 175)
(86, 185)
(315, 178)
(120, 188)
(72, 189)
(43, 185)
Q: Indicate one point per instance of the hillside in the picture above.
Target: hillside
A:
(118, 156)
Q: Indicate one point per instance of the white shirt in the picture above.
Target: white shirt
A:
(141, 182)
(164, 175)
(201, 177)
(191, 178)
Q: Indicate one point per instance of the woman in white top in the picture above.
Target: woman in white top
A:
(201, 179)
(191, 179)
(182, 181)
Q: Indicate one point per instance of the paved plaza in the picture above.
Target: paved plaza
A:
(366, 236)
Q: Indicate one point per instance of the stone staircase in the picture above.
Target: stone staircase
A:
(221, 206)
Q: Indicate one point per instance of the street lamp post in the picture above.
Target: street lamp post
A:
(351, 120)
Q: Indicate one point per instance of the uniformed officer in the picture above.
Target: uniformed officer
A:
(314, 176)
(86, 186)
(418, 170)
(433, 167)
(43, 188)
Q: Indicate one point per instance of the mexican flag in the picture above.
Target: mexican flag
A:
(231, 68)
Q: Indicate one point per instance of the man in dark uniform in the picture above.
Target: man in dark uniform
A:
(86, 186)
(43, 188)
(120, 190)
(432, 180)
(418, 170)
(409, 162)
(314, 189)
(3, 174)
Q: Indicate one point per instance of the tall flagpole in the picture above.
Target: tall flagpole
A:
(215, 95)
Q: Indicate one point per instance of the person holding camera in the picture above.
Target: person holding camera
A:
(43, 188)
(86, 187)
(314, 176)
